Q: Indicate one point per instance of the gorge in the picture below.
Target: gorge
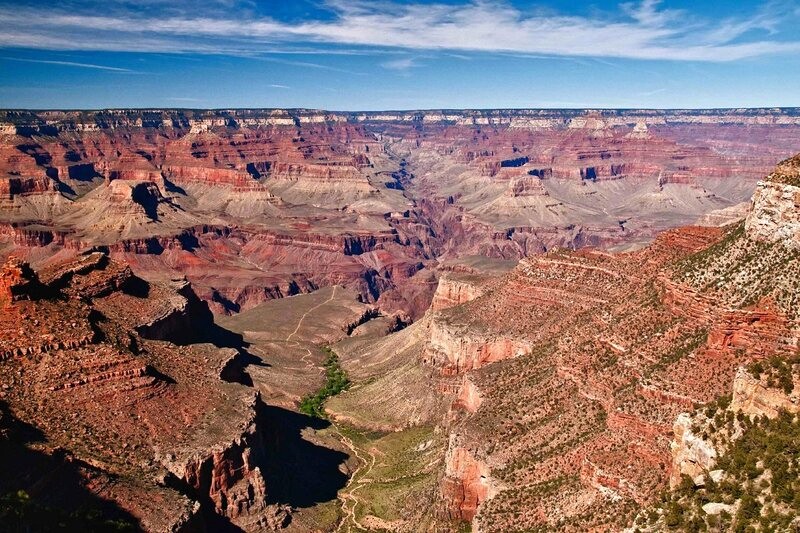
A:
(534, 309)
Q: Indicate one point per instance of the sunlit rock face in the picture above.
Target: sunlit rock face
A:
(256, 204)
(775, 212)
(552, 367)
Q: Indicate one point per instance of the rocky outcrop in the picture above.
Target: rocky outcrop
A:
(456, 349)
(691, 454)
(18, 281)
(75, 368)
(469, 396)
(90, 276)
(144, 193)
(344, 244)
(725, 216)
(33, 235)
(18, 186)
(239, 179)
(467, 482)
(229, 477)
(454, 290)
(182, 319)
(775, 214)
(7, 129)
(753, 397)
(526, 186)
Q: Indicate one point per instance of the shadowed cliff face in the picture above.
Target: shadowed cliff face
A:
(555, 382)
(301, 473)
(173, 435)
(53, 486)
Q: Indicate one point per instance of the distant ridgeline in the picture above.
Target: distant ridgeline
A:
(52, 121)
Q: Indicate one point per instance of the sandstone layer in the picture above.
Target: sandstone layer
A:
(581, 426)
(157, 434)
(252, 205)
(552, 387)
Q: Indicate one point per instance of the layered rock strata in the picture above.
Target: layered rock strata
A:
(364, 199)
(179, 448)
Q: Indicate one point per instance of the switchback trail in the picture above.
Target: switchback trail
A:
(347, 494)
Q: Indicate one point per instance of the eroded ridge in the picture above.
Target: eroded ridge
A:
(128, 417)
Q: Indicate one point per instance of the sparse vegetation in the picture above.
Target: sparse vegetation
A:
(687, 344)
(336, 381)
(19, 512)
(760, 484)
(742, 271)
(777, 371)
(788, 172)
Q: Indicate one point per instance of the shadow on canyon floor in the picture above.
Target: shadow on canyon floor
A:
(235, 372)
(298, 472)
(42, 492)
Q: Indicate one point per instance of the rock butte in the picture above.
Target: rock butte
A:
(258, 204)
(559, 325)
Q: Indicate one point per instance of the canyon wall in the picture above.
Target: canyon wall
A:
(775, 212)
(166, 440)
(300, 199)
(583, 425)
(695, 454)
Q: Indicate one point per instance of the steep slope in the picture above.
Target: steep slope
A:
(163, 432)
(559, 383)
(259, 204)
(734, 460)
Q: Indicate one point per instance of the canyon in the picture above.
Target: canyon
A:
(530, 305)
(257, 204)
(563, 386)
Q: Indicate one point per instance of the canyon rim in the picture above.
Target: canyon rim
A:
(548, 279)
(269, 319)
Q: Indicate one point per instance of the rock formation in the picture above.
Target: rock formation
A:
(692, 455)
(257, 204)
(569, 424)
(775, 212)
(755, 397)
(553, 386)
(78, 367)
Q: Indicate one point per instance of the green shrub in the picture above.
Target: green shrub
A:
(336, 381)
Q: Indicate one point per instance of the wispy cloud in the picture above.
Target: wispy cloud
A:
(305, 64)
(278, 86)
(68, 64)
(653, 92)
(637, 30)
(402, 64)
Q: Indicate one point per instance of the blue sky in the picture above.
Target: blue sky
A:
(392, 54)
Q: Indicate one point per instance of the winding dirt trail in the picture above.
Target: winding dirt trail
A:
(305, 359)
(347, 494)
(300, 322)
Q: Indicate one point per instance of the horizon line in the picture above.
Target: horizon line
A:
(389, 110)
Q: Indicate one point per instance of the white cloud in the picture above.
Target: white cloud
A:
(653, 92)
(68, 64)
(642, 30)
(401, 64)
(279, 86)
